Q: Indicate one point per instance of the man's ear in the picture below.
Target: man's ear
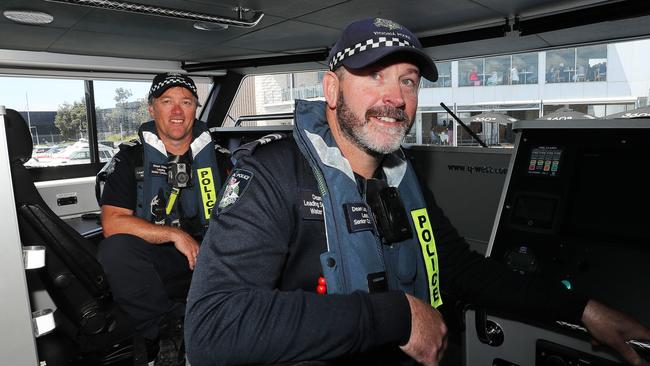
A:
(150, 109)
(331, 89)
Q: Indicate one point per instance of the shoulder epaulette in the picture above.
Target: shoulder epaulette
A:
(249, 148)
(129, 144)
(221, 149)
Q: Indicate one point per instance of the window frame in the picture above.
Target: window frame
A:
(66, 171)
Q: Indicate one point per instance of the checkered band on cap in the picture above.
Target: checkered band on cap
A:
(367, 45)
(159, 87)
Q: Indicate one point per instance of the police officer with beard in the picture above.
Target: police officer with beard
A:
(335, 252)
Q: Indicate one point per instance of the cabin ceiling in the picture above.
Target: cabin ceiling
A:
(290, 27)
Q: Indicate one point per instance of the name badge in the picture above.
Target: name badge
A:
(311, 206)
(357, 216)
(139, 173)
(158, 169)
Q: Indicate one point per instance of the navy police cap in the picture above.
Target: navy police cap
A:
(168, 80)
(367, 41)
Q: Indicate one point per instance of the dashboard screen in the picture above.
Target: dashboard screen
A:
(545, 161)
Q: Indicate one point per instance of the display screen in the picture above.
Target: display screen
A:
(534, 211)
(545, 161)
(609, 196)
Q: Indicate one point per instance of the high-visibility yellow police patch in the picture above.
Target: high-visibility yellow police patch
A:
(208, 193)
(429, 253)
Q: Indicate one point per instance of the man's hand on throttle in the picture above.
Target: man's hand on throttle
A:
(613, 328)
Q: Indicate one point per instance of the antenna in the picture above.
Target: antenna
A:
(29, 120)
(471, 133)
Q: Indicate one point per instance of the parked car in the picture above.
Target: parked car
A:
(45, 152)
(42, 155)
(77, 153)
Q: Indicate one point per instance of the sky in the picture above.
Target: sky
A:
(47, 94)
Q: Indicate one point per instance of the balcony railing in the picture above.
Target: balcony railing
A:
(303, 92)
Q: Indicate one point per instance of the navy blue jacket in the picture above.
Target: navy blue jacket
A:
(253, 295)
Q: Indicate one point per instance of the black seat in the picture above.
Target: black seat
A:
(97, 331)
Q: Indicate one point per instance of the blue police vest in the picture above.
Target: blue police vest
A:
(194, 203)
(354, 251)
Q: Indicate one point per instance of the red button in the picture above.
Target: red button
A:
(322, 285)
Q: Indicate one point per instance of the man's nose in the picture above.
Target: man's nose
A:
(393, 94)
(176, 107)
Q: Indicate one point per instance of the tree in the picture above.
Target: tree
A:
(141, 112)
(71, 120)
(121, 96)
(127, 116)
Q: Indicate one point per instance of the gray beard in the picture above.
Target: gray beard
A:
(364, 134)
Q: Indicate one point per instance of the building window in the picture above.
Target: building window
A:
(591, 63)
(499, 70)
(268, 94)
(523, 69)
(577, 64)
(602, 110)
(470, 72)
(444, 77)
(437, 129)
(560, 65)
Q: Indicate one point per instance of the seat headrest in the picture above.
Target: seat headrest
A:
(19, 139)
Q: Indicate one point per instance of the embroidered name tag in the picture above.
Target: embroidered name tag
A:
(357, 216)
(311, 206)
(158, 169)
(139, 173)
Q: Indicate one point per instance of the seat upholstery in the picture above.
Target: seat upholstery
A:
(72, 276)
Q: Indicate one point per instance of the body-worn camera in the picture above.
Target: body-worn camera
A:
(388, 210)
(179, 174)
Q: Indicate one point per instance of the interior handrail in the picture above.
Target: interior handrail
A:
(263, 117)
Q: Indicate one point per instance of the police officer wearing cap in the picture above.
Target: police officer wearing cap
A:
(156, 205)
(335, 251)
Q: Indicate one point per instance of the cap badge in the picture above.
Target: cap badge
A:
(379, 22)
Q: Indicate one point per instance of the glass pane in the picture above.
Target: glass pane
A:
(617, 108)
(497, 70)
(470, 72)
(524, 69)
(464, 138)
(591, 63)
(273, 94)
(597, 110)
(55, 111)
(437, 128)
(444, 76)
(560, 65)
(306, 85)
(121, 108)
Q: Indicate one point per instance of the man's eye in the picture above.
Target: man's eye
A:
(375, 75)
(408, 82)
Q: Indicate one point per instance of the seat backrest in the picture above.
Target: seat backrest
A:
(72, 276)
